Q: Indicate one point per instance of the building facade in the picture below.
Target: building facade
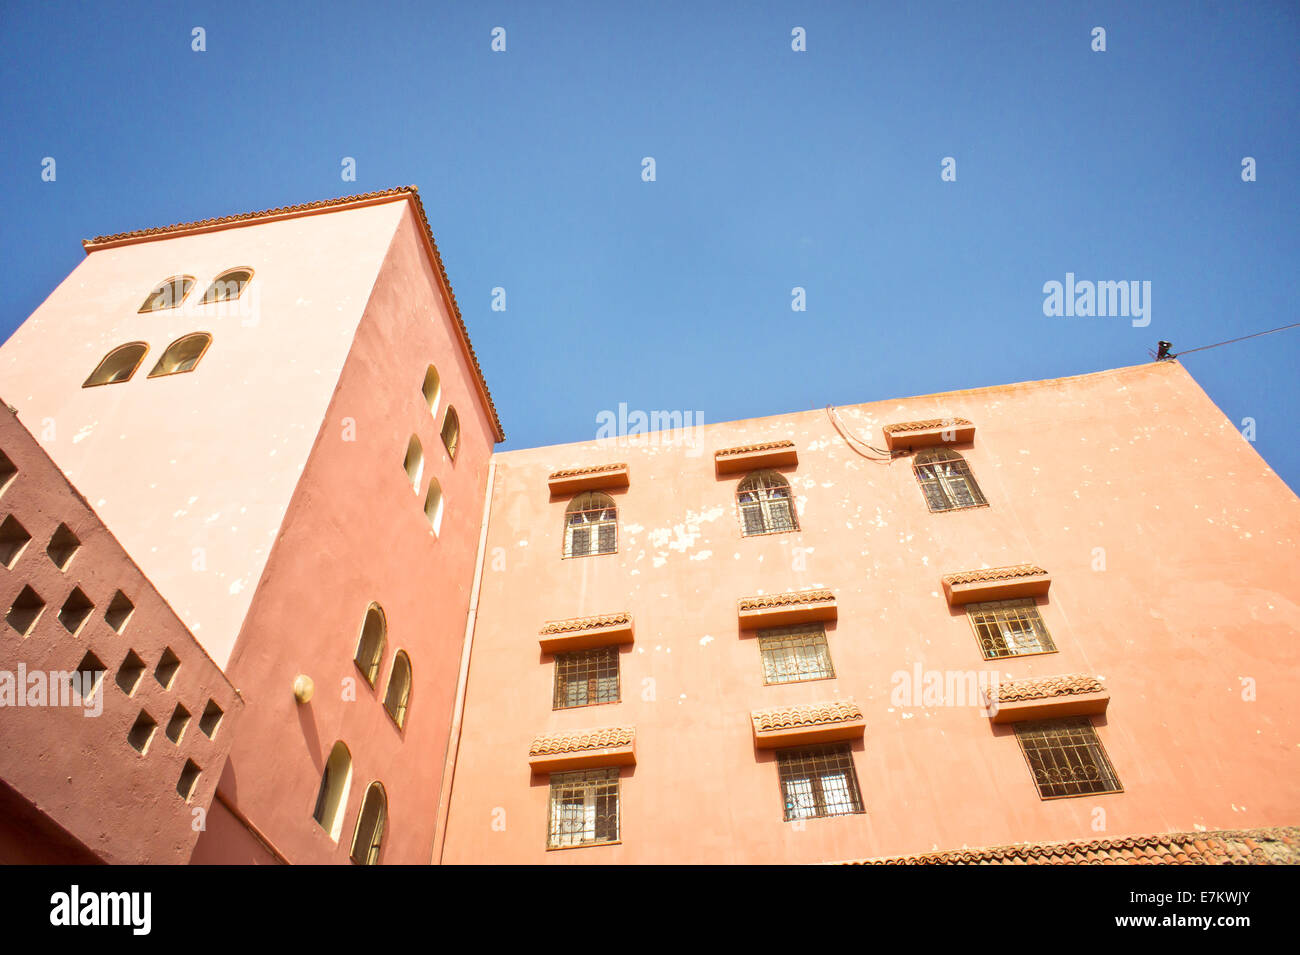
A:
(1040, 613)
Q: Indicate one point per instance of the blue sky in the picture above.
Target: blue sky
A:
(774, 169)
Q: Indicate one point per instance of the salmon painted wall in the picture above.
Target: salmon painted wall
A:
(1199, 589)
(356, 532)
(194, 472)
(74, 763)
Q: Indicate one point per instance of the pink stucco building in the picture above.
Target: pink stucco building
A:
(962, 621)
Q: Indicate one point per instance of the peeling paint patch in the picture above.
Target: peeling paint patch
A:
(702, 555)
(706, 640)
(85, 432)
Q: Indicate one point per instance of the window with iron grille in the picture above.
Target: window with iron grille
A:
(766, 506)
(1009, 628)
(584, 677)
(946, 480)
(584, 808)
(590, 525)
(1066, 758)
(792, 654)
(818, 781)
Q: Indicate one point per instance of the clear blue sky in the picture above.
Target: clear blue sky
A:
(775, 169)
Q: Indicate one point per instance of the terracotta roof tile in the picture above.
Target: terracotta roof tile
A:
(1042, 688)
(606, 738)
(586, 623)
(747, 448)
(411, 191)
(1266, 846)
(808, 714)
(594, 469)
(924, 425)
(994, 573)
(782, 600)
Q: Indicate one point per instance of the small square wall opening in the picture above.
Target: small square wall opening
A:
(210, 719)
(129, 673)
(89, 675)
(26, 611)
(176, 725)
(13, 541)
(63, 545)
(7, 471)
(142, 732)
(189, 779)
(119, 611)
(75, 611)
(165, 672)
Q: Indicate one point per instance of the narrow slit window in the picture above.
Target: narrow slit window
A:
(946, 480)
(332, 796)
(590, 525)
(369, 835)
(182, 355)
(227, 286)
(413, 463)
(398, 695)
(433, 506)
(432, 389)
(118, 365)
(766, 505)
(168, 294)
(370, 643)
(451, 431)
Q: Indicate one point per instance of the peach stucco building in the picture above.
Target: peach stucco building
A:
(1055, 615)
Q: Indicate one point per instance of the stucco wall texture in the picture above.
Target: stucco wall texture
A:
(356, 532)
(194, 472)
(1133, 470)
(264, 496)
(73, 764)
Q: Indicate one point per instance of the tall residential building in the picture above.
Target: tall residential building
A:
(1054, 615)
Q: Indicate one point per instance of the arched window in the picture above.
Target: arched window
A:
(946, 480)
(451, 431)
(414, 462)
(765, 504)
(370, 644)
(227, 286)
(332, 797)
(432, 389)
(399, 688)
(370, 826)
(590, 525)
(169, 294)
(182, 355)
(118, 365)
(433, 505)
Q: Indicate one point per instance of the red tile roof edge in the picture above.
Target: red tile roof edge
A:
(1263, 846)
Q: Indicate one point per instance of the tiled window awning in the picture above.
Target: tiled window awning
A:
(589, 749)
(585, 633)
(996, 583)
(595, 478)
(807, 723)
(750, 457)
(780, 610)
(1047, 698)
(908, 435)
